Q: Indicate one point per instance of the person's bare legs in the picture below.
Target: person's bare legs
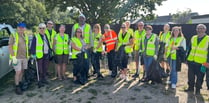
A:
(17, 77)
(63, 70)
(59, 71)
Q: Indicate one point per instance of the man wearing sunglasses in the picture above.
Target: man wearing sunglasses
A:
(50, 31)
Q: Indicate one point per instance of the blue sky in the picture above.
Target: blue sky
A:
(172, 6)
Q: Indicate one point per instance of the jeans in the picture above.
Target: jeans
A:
(95, 62)
(174, 74)
(147, 62)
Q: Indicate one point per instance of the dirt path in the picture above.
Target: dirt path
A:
(106, 91)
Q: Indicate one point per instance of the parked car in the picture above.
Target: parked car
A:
(5, 31)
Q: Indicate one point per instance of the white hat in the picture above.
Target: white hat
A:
(82, 15)
(42, 25)
(50, 22)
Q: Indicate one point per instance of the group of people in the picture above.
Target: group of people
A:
(86, 45)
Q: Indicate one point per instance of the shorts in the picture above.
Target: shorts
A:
(21, 64)
(124, 62)
(62, 59)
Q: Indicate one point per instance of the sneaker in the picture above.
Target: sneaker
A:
(110, 73)
(168, 82)
(173, 86)
(135, 75)
(18, 91)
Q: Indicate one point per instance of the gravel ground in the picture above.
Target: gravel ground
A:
(107, 90)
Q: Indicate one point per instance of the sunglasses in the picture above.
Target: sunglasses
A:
(50, 23)
(42, 28)
(78, 31)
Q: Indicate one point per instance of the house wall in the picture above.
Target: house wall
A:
(201, 20)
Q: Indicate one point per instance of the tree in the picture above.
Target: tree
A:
(182, 17)
(31, 12)
(60, 17)
(108, 11)
(35, 12)
(11, 12)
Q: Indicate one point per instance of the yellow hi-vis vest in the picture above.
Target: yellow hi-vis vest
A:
(62, 46)
(172, 43)
(39, 46)
(166, 38)
(150, 50)
(50, 36)
(96, 41)
(86, 32)
(78, 43)
(137, 38)
(124, 41)
(199, 51)
(15, 46)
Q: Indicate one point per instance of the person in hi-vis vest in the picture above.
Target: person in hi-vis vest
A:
(138, 35)
(149, 49)
(177, 40)
(97, 50)
(61, 49)
(164, 37)
(18, 48)
(124, 46)
(40, 49)
(79, 58)
(86, 34)
(197, 56)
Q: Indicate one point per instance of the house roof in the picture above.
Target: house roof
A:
(200, 16)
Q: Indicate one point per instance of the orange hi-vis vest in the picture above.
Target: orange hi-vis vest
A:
(110, 39)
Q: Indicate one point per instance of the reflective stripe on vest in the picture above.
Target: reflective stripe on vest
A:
(62, 46)
(137, 38)
(96, 41)
(124, 41)
(86, 32)
(172, 43)
(39, 46)
(166, 38)
(15, 46)
(78, 44)
(199, 51)
(150, 50)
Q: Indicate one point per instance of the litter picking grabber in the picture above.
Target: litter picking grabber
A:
(37, 73)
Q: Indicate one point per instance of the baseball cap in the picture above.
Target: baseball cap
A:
(23, 25)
